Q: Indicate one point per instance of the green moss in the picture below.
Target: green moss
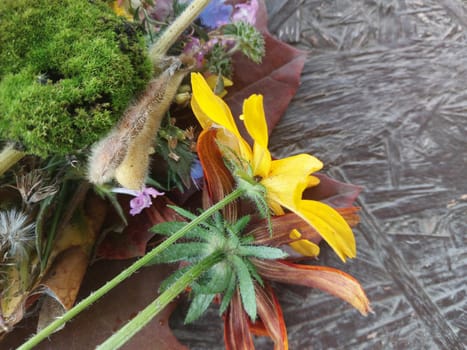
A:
(68, 69)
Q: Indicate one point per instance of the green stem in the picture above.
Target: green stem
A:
(144, 317)
(83, 304)
(9, 157)
(175, 29)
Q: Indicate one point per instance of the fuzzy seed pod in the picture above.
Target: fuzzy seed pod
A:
(124, 153)
(132, 172)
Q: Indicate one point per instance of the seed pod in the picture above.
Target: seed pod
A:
(132, 172)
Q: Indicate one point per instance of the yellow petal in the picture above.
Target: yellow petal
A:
(255, 120)
(298, 165)
(212, 82)
(288, 179)
(284, 189)
(207, 104)
(210, 109)
(330, 225)
(303, 246)
(121, 10)
(202, 117)
(312, 181)
(261, 162)
(255, 123)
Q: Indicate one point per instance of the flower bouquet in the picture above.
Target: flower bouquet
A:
(141, 129)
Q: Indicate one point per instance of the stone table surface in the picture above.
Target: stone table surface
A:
(383, 103)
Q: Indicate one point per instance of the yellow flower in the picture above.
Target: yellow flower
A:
(284, 179)
(213, 80)
(121, 9)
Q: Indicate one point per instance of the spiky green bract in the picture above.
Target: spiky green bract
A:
(198, 306)
(248, 39)
(235, 270)
(68, 69)
(219, 62)
(246, 286)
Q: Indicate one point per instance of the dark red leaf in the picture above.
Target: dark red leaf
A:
(335, 193)
(277, 78)
(132, 241)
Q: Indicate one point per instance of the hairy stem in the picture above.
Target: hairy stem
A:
(145, 316)
(175, 29)
(82, 305)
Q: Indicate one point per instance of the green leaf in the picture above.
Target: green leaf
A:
(253, 271)
(198, 306)
(238, 226)
(229, 292)
(247, 288)
(218, 220)
(262, 252)
(168, 228)
(219, 278)
(179, 252)
(183, 212)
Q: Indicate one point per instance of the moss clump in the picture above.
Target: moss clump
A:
(68, 69)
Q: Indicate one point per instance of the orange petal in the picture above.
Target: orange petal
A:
(237, 334)
(327, 279)
(350, 214)
(272, 319)
(218, 178)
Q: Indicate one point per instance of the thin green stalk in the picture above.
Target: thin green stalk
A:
(83, 304)
(9, 156)
(145, 316)
(175, 29)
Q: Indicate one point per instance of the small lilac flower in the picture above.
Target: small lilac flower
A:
(142, 198)
(194, 49)
(216, 14)
(246, 12)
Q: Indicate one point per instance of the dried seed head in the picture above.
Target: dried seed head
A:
(16, 235)
(33, 188)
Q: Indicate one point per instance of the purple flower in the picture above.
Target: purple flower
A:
(142, 198)
(246, 12)
(194, 49)
(216, 14)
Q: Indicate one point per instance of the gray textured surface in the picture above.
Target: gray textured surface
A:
(383, 103)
